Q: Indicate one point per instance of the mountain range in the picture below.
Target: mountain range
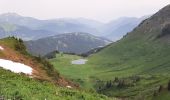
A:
(116, 29)
(23, 27)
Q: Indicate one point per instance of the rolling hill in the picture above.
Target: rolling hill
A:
(77, 43)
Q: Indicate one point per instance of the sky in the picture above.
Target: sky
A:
(101, 10)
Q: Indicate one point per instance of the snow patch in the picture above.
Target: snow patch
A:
(15, 67)
(69, 86)
(1, 48)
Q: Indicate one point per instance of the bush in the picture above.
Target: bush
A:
(48, 67)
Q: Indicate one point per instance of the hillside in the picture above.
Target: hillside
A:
(44, 82)
(144, 51)
(146, 43)
(13, 49)
(17, 87)
(70, 43)
(133, 67)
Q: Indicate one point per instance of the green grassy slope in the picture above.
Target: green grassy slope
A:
(142, 52)
(139, 58)
(78, 73)
(19, 87)
(88, 76)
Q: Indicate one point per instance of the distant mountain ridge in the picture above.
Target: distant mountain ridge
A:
(116, 29)
(77, 43)
(26, 26)
(7, 29)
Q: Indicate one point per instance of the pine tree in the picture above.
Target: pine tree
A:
(160, 88)
(169, 86)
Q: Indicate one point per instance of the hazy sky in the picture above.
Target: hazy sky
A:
(102, 10)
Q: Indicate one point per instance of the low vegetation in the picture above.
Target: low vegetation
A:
(20, 87)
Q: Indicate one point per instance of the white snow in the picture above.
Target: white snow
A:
(79, 61)
(15, 67)
(1, 48)
(69, 86)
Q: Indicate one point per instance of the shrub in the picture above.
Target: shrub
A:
(48, 67)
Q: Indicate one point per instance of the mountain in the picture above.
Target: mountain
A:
(69, 43)
(12, 24)
(136, 67)
(27, 77)
(52, 26)
(116, 29)
(16, 19)
(66, 25)
(43, 28)
(90, 22)
(34, 23)
(7, 29)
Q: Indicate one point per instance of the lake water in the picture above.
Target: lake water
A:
(79, 61)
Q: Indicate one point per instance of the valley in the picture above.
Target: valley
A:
(126, 58)
(140, 60)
